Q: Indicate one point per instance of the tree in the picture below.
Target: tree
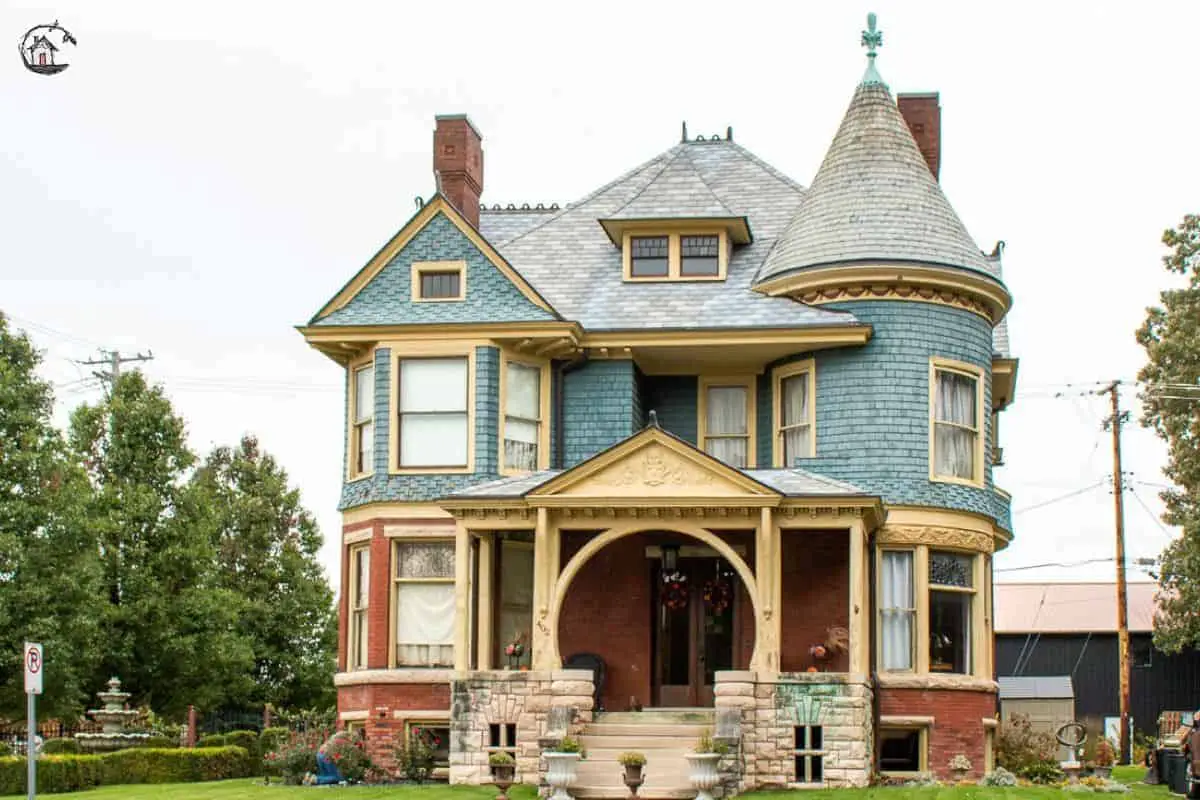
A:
(267, 545)
(171, 629)
(1171, 337)
(49, 571)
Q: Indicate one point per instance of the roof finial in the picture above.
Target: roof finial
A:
(872, 39)
(652, 421)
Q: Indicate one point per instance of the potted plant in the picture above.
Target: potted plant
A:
(960, 765)
(633, 762)
(1106, 756)
(561, 765)
(703, 765)
(514, 650)
(503, 765)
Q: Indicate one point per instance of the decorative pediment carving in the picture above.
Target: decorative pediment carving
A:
(937, 537)
(657, 470)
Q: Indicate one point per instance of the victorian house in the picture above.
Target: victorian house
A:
(705, 449)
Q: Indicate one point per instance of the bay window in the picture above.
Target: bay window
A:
(359, 595)
(522, 417)
(433, 417)
(956, 448)
(951, 591)
(362, 438)
(897, 610)
(727, 420)
(927, 612)
(423, 603)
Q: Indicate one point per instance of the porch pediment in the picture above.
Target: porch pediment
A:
(652, 464)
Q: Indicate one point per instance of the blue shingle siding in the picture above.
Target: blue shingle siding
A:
(674, 400)
(873, 404)
(598, 408)
(764, 417)
(387, 299)
(382, 487)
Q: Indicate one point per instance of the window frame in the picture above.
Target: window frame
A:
(750, 383)
(543, 444)
(354, 425)
(938, 364)
(394, 583)
(420, 268)
(427, 722)
(914, 643)
(922, 748)
(973, 656)
(353, 646)
(779, 375)
(430, 351)
(675, 253)
(809, 753)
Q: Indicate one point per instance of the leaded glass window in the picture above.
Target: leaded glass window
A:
(649, 256)
(424, 603)
(951, 594)
(699, 255)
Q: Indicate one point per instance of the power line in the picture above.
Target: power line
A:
(46, 329)
(1063, 564)
(1059, 498)
(1151, 514)
(114, 360)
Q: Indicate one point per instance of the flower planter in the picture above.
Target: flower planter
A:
(560, 773)
(1102, 772)
(703, 773)
(502, 778)
(633, 778)
(960, 775)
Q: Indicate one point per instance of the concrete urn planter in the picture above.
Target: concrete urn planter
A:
(560, 773)
(703, 773)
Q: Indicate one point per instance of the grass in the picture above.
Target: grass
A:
(254, 790)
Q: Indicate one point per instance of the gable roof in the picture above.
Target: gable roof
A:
(1071, 607)
(874, 199)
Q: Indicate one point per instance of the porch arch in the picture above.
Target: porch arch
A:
(599, 542)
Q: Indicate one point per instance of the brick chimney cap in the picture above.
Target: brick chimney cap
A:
(455, 117)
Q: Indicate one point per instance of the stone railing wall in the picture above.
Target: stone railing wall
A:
(543, 705)
(772, 706)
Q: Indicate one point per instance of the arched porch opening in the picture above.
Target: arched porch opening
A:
(661, 640)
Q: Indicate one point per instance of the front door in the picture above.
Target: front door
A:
(694, 613)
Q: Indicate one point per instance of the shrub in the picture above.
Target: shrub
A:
(1026, 752)
(159, 742)
(70, 773)
(5, 750)
(211, 740)
(1105, 755)
(246, 739)
(1041, 772)
(296, 758)
(960, 762)
(270, 742)
(999, 777)
(632, 759)
(59, 746)
(415, 759)
(348, 756)
(501, 759)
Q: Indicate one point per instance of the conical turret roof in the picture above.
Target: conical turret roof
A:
(873, 199)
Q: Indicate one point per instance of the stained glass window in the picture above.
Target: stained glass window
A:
(951, 569)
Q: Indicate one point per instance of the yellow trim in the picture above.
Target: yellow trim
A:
(1004, 382)
(414, 226)
(352, 370)
(778, 377)
(388, 510)
(394, 592)
(922, 729)
(736, 228)
(352, 643)
(750, 383)
(420, 268)
(938, 364)
(674, 254)
(423, 351)
(543, 367)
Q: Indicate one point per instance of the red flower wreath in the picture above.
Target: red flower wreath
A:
(717, 595)
(675, 590)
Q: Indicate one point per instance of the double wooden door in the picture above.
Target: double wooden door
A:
(694, 608)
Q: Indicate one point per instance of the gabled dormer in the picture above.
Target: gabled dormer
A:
(676, 229)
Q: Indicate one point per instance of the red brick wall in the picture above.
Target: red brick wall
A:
(383, 730)
(816, 595)
(923, 114)
(958, 722)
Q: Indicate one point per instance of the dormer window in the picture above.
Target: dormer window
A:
(676, 256)
(649, 256)
(699, 256)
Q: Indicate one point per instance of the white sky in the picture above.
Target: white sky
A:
(204, 176)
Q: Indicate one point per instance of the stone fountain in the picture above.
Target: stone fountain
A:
(114, 716)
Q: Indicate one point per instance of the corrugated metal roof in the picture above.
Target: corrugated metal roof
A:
(1050, 687)
(1071, 607)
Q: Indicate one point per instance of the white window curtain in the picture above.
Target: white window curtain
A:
(433, 412)
(364, 419)
(956, 425)
(794, 426)
(726, 426)
(522, 419)
(896, 610)
(425, 604)
(360, 577)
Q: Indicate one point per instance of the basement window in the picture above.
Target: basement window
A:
(810, 758)
(902, 750)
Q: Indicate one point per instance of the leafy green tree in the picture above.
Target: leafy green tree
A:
(49, 571)
(1171, 337)
(171, 628)
(267, 547)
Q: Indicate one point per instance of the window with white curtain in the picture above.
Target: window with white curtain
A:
(423, 601)
(951, 591)
(433, 412)
(897, 610)
(726, 424)
(956, 425)
(362, 445)
(795, 421)
(522, 417)
(360, 591)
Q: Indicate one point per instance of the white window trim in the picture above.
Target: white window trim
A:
(411, 351)
(420, 268)
(543, 459)
(352, 643)
(806, 367)
(750, 382)
(936, 365)
(394, 595)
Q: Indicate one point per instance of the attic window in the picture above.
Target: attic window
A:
(699, 255)
(438, 281)
(687, 255)
(649, 256)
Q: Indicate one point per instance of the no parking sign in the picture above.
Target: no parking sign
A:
(33, 668)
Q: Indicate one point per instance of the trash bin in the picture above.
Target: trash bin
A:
(1176, 772)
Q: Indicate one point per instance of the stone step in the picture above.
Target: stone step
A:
(594, 743)
(609, 751)
(612, 792)
(658, 775)
(684, 716)
(677, 731)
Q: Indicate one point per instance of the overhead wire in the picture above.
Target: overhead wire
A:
(1060, 497)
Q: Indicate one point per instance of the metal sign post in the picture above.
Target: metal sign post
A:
(33, 687)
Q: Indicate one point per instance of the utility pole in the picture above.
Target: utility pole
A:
(1114, 424)
(113, 359)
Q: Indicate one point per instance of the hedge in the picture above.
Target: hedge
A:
(246, 739)
(70, 773)
(212, 740)
(59, 746)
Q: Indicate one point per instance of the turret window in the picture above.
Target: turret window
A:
(956, 423)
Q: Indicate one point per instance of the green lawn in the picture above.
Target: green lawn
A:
(254, 790)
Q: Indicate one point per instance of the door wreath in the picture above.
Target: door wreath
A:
(675, 590)
(717, 595)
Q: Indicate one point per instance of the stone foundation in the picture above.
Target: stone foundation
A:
(543, 705)
(772, 706)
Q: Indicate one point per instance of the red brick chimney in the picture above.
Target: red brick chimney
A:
(924, 117)
(458, 163)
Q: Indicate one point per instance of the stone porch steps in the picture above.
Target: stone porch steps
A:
(665, 736)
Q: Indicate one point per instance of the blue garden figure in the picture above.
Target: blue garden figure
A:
(327, 771)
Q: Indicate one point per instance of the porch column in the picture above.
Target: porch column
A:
(768, 574)
(462, 597)
(545, 582)
(859, 600)
(486, 592)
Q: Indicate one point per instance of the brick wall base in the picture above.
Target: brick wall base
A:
(958, 723)
(385, 708)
